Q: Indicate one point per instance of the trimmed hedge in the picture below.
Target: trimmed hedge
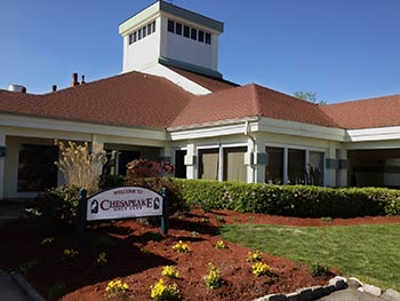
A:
(301, 201)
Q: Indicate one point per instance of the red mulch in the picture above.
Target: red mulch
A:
(139, 253)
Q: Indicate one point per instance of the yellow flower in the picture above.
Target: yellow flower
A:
(260, 269)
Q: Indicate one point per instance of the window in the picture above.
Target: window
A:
(135, 36)
(208, 164)
(208, 38)
(148, 29)
(139, 35)
(153, 26)
(144, 32)
(171, 26)
(178, 29)
(274, 170)
(193, 35)
(201, 36)
(130, 39)
(186, 31)
(180, 167)
(296, 166)
(234, 168)
(36, 170)
(315, 170)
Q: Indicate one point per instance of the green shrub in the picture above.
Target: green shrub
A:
(301, 201)
(111, 181)
(58, 205)
(176, 203)
(318, 270)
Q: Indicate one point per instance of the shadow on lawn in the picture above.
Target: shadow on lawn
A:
(200, 227)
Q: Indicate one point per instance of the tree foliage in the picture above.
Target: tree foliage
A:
(309, 96)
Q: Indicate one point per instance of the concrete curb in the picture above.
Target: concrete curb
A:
(309, 293)
(26, 287)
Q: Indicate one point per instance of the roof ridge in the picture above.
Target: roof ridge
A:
(97, 81)
(285, 94)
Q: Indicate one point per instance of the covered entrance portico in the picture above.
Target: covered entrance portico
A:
(28, 167)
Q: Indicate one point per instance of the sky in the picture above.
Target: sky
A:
(339, 49)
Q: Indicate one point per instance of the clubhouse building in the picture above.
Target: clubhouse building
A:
(171, 102)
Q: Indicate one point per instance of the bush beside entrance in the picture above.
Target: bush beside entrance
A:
(300, 201)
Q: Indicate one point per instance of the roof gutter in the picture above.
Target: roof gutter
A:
(213, 124)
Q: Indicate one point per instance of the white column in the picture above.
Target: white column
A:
(285, 165)
(250, 166)
(97, 144)
(255, 168)
(221, 164)
(331, 172)
(342, 172)
(191, 161)
(2, 167)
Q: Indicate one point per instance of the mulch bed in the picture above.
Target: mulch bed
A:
(136, 254)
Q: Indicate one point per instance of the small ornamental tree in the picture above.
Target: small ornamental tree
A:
(155, 175)
(144, 168)
(81, 168)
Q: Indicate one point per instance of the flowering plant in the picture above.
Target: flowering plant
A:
(213, 279)
(260, 269)
(161, 291)
(116, 287)
(71, 253)
(170, 271)
(254, 256)
(181, 247)
(47, 241)
(102, 258)
(220, 244)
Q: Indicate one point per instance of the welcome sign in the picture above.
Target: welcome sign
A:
(124, 202)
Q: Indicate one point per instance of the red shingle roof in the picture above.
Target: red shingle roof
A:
(250, 101)
(139, 100)
(133, 99)
(207, 82)
(367, 113)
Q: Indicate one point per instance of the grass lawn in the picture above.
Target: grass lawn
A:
(368, 252)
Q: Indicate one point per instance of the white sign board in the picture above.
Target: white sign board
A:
(125, 202)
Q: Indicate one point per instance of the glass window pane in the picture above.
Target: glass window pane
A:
(274, 170)
(316, 169)
(178, 29)
(148, 29)
(201, 36)
(36, 170)
(153, 26)
(296, 166)
(208, 38)
(193, 35)
(208, 164)
(144, 32)
(234, 168)
(130, 39)
(171, 26)
(186, 31)
(139, 34)
(134, 36)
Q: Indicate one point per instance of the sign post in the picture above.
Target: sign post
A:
(122, 203)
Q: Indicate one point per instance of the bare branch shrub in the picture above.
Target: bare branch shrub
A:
(81, 168)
